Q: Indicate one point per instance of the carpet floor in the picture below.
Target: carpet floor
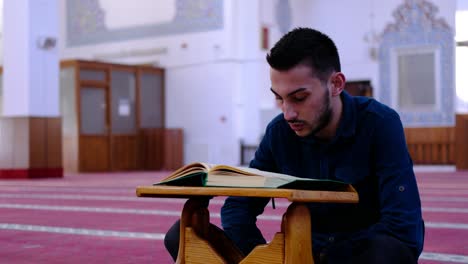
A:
(97, 218)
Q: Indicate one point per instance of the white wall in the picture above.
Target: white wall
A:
(202, 106)
(222, 75)
(30, 83)
(347, 22)
(212, 80)
(462, 57)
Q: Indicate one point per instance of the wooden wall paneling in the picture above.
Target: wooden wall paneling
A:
(461, 142)
(37, 143)
(151, 147)
(173, 149)
(431, 145)
(94, 154)
(450, 147)
(124, 152)
(419, 154)
(54, 142)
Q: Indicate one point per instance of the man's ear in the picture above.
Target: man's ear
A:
(338, 81)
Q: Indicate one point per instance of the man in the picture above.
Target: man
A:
(325, 133)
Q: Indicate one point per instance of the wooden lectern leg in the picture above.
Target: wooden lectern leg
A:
(200, 241)
(297, 230)
(272, 253)
(199, 251)
(194, 215)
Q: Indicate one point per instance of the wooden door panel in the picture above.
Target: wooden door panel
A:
(152, 148)
(94, 153)
(124, 152)
(173, 148)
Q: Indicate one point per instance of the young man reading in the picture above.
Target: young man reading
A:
(325, 133)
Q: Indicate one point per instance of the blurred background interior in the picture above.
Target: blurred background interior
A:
(100, 96)
(101, 85)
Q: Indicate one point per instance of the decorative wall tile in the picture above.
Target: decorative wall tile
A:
(86, 22)
(416, 26)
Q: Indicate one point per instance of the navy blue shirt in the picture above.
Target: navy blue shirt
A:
(368, 151)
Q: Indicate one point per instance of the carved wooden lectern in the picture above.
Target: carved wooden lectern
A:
(201, 242)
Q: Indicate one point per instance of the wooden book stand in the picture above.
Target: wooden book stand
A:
(201, 242)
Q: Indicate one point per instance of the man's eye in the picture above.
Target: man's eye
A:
(299, 99)
(278, 99)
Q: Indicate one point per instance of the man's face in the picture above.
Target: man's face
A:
(303, 98)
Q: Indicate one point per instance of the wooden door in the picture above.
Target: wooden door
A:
(121, 117)
(93, 94)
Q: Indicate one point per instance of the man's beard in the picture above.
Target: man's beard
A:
(324, 116)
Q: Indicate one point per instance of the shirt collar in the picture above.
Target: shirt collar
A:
(347, 126)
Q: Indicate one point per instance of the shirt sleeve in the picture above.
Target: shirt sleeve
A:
(239, 214)
(398, 191)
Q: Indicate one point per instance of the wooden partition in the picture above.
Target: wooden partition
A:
(30, 147)
(431, 145)
(151, 150)
(113, 117)
(462, 142)
(173, 149)
(162, 149)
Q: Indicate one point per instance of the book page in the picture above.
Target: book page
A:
(187, 170)
(230, 170)
(224, 169)
(249, 181)
(217, 180)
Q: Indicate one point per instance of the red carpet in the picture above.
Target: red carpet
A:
(96, 218)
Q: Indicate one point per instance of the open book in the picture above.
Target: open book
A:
(203, 174)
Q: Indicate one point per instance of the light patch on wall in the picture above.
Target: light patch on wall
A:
(1, 15)
(462, 77)
(149, 12)
(461, 20)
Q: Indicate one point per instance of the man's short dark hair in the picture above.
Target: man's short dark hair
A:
(308, 47)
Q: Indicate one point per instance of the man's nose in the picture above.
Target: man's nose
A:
(289, 112)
